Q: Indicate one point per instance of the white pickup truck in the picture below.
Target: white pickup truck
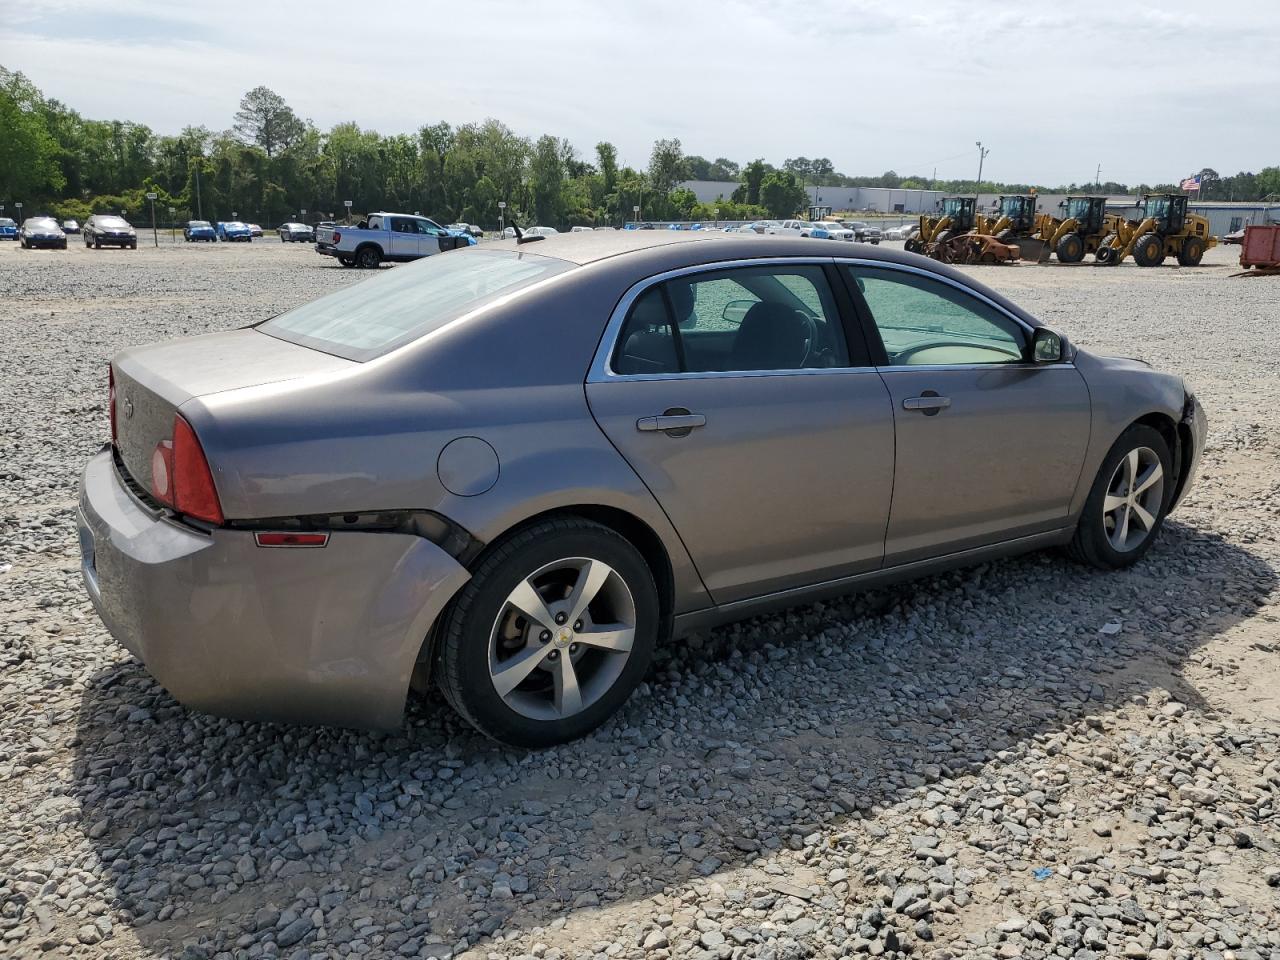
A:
(387, 236)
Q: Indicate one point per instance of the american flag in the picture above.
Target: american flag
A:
(1191, 184)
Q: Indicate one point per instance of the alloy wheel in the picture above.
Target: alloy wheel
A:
(562, 638)
(1134, 499)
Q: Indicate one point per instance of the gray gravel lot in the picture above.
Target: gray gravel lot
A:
(1028, 759)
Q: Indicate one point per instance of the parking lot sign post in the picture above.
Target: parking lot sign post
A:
(155, 239)
(502, 218)
(635, 209)
(18, 206)
(173, 225)
(347, 204)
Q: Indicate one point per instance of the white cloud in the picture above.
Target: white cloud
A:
(1053, 89)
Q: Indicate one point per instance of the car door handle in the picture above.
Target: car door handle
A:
(678, 424)
(926, 404)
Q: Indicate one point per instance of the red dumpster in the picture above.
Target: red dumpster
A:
(1261, 246)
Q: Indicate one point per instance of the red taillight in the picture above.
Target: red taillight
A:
(336, 236)
(291, 539)
(111, 399)
(180, 475)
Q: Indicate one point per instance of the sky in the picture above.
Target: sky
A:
(1151, 91)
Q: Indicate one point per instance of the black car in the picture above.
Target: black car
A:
(106, 229)
(42, 232)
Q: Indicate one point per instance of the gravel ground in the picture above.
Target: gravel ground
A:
(1027, 759)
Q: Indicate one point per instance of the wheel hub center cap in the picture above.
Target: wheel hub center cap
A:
(563, 637)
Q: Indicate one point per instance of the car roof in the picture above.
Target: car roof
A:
(650, 252)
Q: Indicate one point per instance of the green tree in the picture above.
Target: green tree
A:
(266, 120)
(546, 182)
(753, 175)
(666, 166)
(28, 152)
(781, 194)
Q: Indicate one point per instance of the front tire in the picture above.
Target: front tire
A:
(1070, 248)
(369, 258)
(1148, 251)
(1128, 502)
(551, 634)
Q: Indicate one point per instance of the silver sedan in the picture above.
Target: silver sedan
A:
(508, 472)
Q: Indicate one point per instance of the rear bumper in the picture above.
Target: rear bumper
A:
(323, 635)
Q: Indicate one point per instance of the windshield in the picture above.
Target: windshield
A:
(953, 207)
(236, 224)
(374, 317)
(112, 223)
(1078, 207)
(43, 223)
(198, 223)
(6, 222)
(1157, 207)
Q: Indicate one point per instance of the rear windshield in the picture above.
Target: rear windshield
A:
(374, 317)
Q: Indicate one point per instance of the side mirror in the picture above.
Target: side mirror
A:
(1048, 346)
(735, 310)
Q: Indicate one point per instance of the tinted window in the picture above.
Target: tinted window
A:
(401, 305)
(111, 223)
(404, 225)
(925, 321)
(647, 343)
(745, 319)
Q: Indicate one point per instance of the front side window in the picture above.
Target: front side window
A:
(739, 320)
(923, 321)
(371, 318)
(403, 225)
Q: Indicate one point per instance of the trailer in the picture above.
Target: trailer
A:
(1260, 248)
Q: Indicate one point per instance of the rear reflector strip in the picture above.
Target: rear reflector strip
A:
(291, 539)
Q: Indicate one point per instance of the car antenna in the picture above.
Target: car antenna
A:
(521, 238)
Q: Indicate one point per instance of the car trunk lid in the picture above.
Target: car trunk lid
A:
(152, 382)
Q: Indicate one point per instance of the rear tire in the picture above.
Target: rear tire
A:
(1148, 250)
(568, 686)
(913, 245)
(944, 236)
(1191, 253)
(369, 258)
(1070, 248)
(1141, 458)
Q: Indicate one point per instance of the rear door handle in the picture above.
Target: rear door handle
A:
(674, 424)
(926, 404)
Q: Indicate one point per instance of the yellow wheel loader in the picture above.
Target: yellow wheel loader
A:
(1080, 230)
(957, 217)
(1164, 229)
(1016, 223)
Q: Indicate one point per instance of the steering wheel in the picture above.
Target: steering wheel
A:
(811, 339)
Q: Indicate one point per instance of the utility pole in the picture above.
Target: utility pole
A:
(982, 155)
(155, 238)
(1097, 177)
(199, 206)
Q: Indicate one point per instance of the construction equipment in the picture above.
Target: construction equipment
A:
(1015, 222)
(972, 248)
(957, 217)
(1080, 230)
(1164, 229)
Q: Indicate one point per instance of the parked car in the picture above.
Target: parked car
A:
(540, 231)
(233, 231)
(70, 226)
(295, 233)
(864, 232)
(1235, 236)
(581, 229)
(199, 231)
(108, 230)
(254, 230)
(904, 232)
(8, 229)
(41, 232)
(396, 237)
(836, 231)
(512, 471)
(469, 228)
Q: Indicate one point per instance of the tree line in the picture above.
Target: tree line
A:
(271, 164)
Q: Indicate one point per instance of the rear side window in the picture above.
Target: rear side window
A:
(403, 304)
(747, 319)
